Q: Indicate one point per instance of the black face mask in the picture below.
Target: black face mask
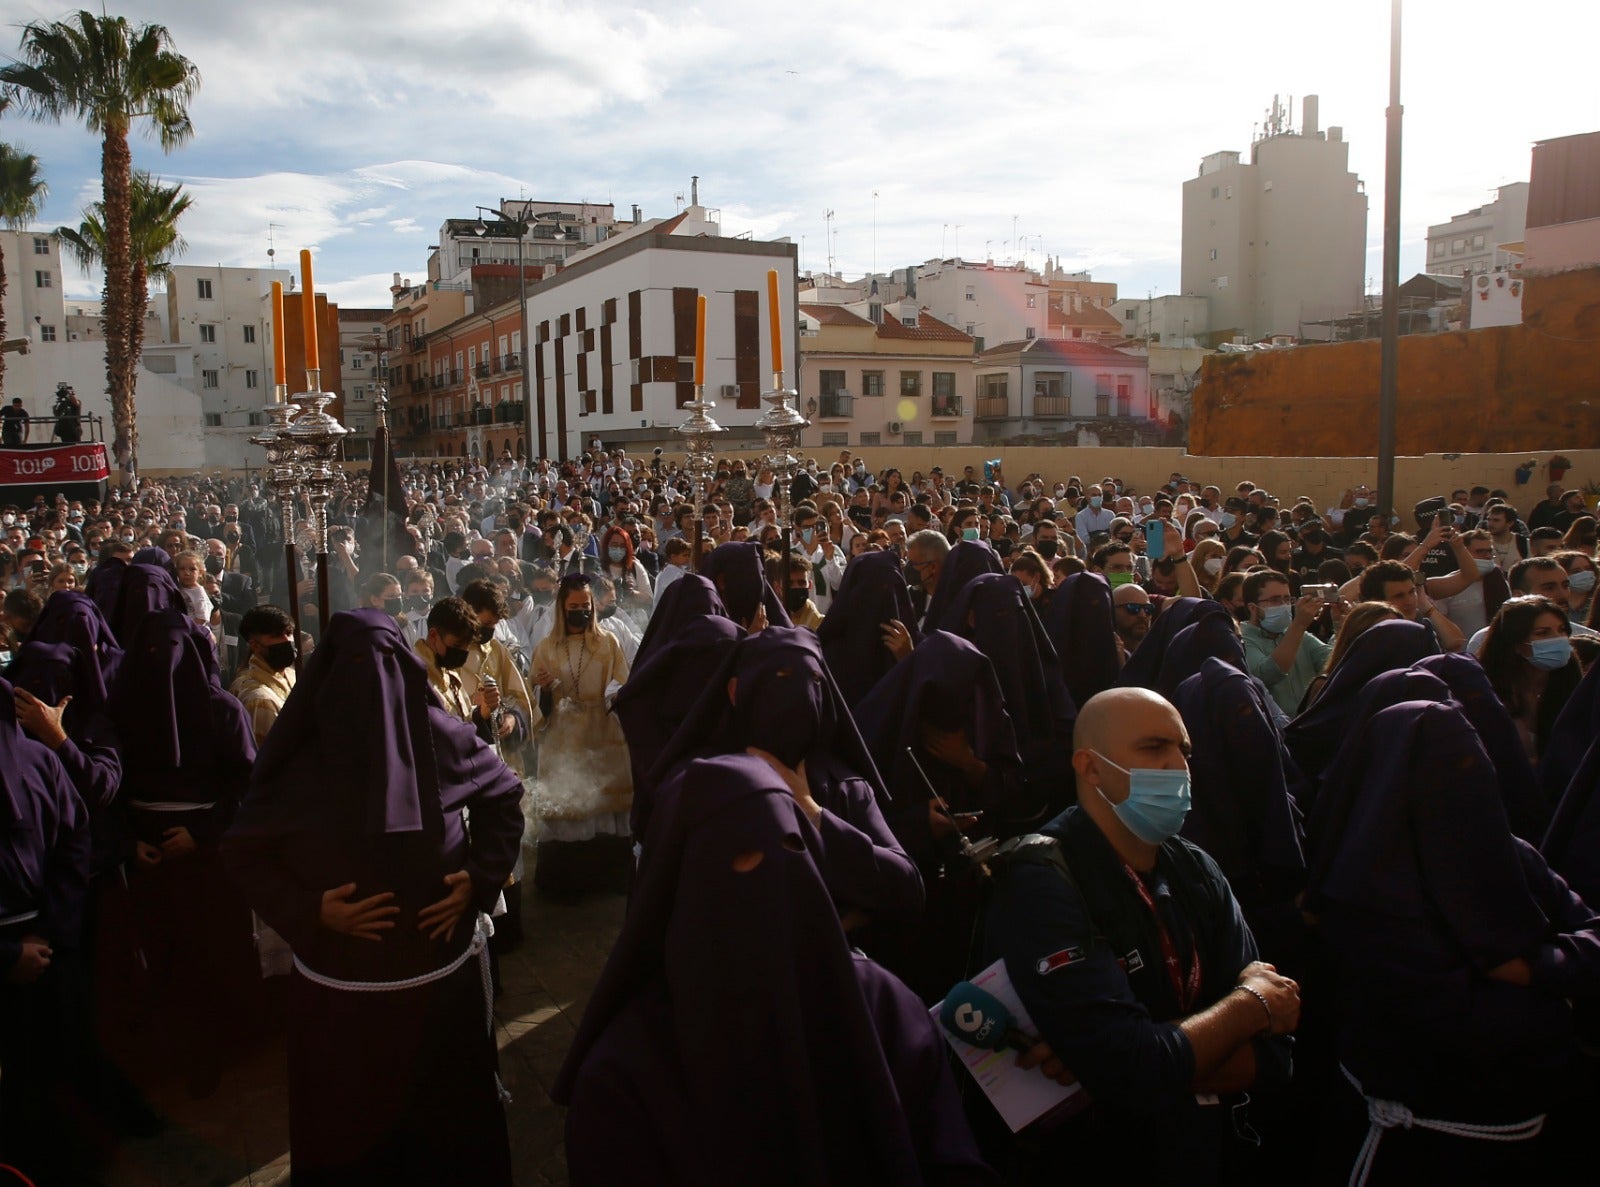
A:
(795, 598)
(416, 602)
(579, 620)
(393, 606)
(1046, 548)
(913, 576)
(484, 634)
(213, 565)
(607, 612)
(279, 655)
(542, 597)
(453, 658)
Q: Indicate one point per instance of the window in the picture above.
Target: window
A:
(1227, 191)
(202, 290)
(909, 323)
(1124, 395)
(1033, 301)
(208, 332)
(43, 280)
(1213, 256)
(208, 379)
(41, 245)
(1029, 332)
(911, 437)
(944, 438)
(249, 334)
(1438, 248)
(252, 379)
(1216, 191)
(992, 387)
(633, 371)
(1457, 246)
(47, 333)
(944, 385)
(911, 383)
(830, 382)
(972, 293)
(871, 438)
(1050, 383)
(831, 439)
(213, 420)
(257, 419)
(1477, 242)
(872, 383)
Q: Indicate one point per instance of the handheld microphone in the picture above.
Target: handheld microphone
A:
(978, 1018)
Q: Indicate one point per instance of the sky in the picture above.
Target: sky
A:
(1021, 129)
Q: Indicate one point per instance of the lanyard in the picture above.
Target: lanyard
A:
(1186, 988)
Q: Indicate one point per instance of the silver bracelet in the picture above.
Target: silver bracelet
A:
(1260, 997)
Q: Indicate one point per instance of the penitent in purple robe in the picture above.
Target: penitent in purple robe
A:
(365, 779)
(734, 1037)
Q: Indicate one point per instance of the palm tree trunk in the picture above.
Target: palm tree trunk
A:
(2, 316)
(141, 298)
(116, 170)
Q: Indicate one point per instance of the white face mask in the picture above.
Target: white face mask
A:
(1213, 566)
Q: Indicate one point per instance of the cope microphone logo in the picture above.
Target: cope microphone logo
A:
(972, 1022)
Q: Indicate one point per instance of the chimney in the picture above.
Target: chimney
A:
(636, 219)
(911, 282)
(395, 286)
(694, 190)
(1308, 121)
(1336, 134)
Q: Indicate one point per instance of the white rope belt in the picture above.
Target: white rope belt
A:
(22, 917)
(1392, 1114)
(169, 805)
(479, 947)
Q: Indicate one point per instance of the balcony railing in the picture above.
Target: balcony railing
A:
(418, 386)
(1053, 406)
(836, 406)
(509, 412)
(946, 407)
(511, 362)
(481, 370)
(419, 343)
(992, 408)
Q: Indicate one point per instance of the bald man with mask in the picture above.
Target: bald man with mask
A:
(1126, 946)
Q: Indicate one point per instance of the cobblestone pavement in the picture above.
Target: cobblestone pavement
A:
(240, 1136)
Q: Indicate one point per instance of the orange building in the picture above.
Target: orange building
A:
(475, 385)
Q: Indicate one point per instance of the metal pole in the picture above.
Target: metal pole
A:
(1389, 382)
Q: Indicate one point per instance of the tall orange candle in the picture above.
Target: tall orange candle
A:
(308, 310)
(775, 319)
(280, 360)
(700, 342)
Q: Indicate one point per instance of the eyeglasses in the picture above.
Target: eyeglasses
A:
(1138, 608)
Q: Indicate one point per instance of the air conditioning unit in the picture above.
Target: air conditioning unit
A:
(730, 390)
(894, 428)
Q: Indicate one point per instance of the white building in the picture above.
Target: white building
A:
(987, 302)
(85, 320)
(362, 345)
(1466, 245)
(221, 315)
(1280, 240)
(556, 232)
(1052, 386)
(35, 304)
(612, 335)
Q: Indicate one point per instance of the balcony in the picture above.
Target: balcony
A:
(1052, 406)
(418, 344)
(509, 412)
(481, 370)
(946, 408)
(483, 416)
(836, 406)
(992, 408)
(418, 386)
(511, 362)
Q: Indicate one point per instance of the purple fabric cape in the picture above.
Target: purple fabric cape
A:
(51, 671)
(1241, 810)
(1209, 635)
(1143, 668)
(966, 560)
(1316, 735)
(1081, 624)
(748, 984)
(105, 583)
(74, 619)
(740, 576)
(660, 692)
(1410, 824)
(1526, 804)
(146, 589)
(688, 599)
(1575, 730)
(872, 593)
(996, 617)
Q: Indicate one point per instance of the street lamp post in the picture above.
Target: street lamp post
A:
(531, 414)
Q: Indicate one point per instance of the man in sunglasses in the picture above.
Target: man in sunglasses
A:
(1133, 614)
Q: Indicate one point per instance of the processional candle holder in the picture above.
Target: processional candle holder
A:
(317, 439)
(283, 479)
(781, 425)
(699, 435)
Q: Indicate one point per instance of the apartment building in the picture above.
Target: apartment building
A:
(1467, 243)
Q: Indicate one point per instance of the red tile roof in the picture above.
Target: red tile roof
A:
(1087, 317)
(1066, 350)
(834, 315)
(927, 329)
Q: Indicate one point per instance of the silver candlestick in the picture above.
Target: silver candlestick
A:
(699, 435)
(781, 425)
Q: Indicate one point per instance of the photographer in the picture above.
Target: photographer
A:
(68, 412)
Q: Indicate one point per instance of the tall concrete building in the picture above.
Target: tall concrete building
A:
(363, 346)
(1466, 244)
(1277, 241)
(219, 314)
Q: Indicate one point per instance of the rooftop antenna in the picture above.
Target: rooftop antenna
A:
(827, 219)
(272, 252)
(874, 232)
(677, 199)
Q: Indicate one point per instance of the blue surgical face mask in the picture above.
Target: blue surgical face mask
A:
(969, 533)
(1362, 502)
(1226, 520)
(1276, 619)
(1485, 566)
(617, 555)
(1157, 803)
(1582, 581)
(1550, 655)
(1095, 501)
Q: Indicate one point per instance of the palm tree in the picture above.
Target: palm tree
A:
(109, 75)
(22, 193)
(153, 213)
